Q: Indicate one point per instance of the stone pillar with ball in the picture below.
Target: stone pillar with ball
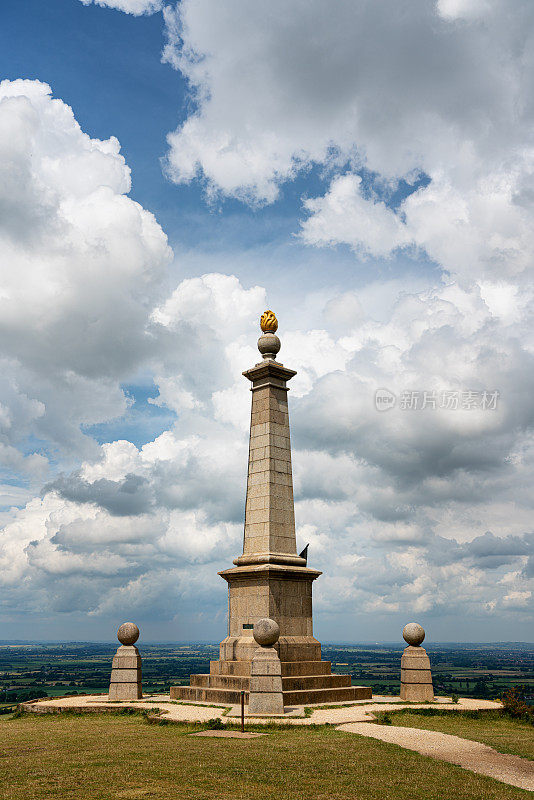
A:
(125, 681)
(266, 697)
(416, 677)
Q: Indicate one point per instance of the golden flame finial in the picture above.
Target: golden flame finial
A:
(268, 322)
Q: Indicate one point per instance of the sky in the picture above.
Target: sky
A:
(170, 171)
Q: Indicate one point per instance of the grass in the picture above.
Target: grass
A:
(119, 756)
(490, 727)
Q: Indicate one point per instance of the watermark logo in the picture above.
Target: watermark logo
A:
(448, 400)
(384, 400)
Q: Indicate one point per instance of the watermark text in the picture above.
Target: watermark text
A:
(447, 399)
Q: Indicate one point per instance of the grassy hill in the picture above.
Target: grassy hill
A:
(108, 756)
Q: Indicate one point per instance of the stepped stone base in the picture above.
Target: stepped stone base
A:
(303, 682)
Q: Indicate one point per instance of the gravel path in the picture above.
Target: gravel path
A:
(470, 755)
(364, 711)
(360, 711)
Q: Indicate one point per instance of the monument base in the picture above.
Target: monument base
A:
(303, 683)
(416, 677)
(126, 675)
(265, 687)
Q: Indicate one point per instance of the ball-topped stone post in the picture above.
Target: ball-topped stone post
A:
(126, 676)
(265, 695)
(416, 677)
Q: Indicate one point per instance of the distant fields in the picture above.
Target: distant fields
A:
(108, 757)
(56, 669)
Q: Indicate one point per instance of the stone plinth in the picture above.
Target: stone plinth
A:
(416, 677)
(265, 695)
(280, 591)
(126, 676)
(270, 579)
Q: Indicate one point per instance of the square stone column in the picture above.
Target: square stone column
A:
(125, 681)
(269, 510)
(265, 683)
(416, 677)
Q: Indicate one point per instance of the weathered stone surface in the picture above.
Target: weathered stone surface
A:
(292, 697)
(126, 675)
(289, 668)
(258, 667)
(125, 691)
(265, 692)
(408, 662)
(416, 676)
(346, 694)
(413, 633)
(417, 692)
(266, 633)
(265, 703)
(266, 683)
(125, 662)
(128, 633)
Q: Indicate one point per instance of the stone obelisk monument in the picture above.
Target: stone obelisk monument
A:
(270, 579)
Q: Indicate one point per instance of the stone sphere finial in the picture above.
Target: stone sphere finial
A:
(413, 633)
(128, 633)
(269, 344)
(266, 632)
(268, 322)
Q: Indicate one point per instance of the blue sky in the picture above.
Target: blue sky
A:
(108, 68)
(372, 185)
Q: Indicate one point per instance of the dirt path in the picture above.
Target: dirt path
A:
(470, 755)
(336, 714)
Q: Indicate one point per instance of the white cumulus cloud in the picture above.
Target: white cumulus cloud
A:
(135, 7)
(81, 268)
(436, 90)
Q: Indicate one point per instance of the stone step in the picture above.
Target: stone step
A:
(289, 668)
(306, 682)
(230, 668)
(223, 697)
(236, 682)
(291, 698)
(294, 683)
(334, 695)
(293, 668)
